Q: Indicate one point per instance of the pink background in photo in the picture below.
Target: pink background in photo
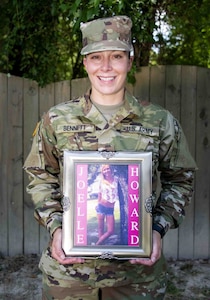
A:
(133, 205)
(80, 232)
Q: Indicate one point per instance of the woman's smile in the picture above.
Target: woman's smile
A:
(106, 79)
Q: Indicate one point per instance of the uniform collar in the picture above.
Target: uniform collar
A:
(131, 104)
(131, 108)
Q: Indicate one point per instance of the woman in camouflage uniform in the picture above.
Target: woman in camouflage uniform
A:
(108, 118)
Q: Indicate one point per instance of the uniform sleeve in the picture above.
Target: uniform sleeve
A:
(177, 169)
(42, 166)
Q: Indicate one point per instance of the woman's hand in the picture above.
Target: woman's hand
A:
(156, 252)
(57, 251)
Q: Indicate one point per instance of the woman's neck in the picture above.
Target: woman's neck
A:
(109, 179)
(106, 99)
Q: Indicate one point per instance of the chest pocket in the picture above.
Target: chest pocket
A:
(76, 137)
(135, 142)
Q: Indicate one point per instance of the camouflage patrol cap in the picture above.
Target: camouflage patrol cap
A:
(112, 33)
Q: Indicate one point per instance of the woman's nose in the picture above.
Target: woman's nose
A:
(106, 64)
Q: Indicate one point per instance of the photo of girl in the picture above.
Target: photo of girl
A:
(107, 197)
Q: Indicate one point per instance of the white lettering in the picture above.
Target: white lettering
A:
(134, 185)
(81, 184)
(134, 198)
(134, 226)
(81, 171)
(79, 226)
(135, 171)
(134, 213)
(134, 240)
(80, 198)
(80, 239)
(79, 212)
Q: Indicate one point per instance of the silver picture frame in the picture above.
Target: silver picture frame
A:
(132, 236)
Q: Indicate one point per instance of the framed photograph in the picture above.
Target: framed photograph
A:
(107, 204)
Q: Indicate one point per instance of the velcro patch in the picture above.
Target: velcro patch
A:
(76, 128)
(139, 129)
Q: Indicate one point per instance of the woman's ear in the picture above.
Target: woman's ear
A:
(130, 62)
(85, 61)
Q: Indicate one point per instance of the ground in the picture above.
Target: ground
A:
(20, 279)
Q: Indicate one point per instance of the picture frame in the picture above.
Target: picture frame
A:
(97, 225)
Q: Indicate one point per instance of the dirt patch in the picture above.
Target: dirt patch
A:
(20, 279)
(188, 280)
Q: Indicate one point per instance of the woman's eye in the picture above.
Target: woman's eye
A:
(117, 56)
(95, 57)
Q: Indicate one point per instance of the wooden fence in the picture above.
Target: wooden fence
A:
(183, 90)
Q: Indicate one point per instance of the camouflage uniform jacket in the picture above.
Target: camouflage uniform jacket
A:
(137, 126)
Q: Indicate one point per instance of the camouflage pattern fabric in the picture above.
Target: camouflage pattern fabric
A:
(107, 34)
(96, 281)
(78, 125)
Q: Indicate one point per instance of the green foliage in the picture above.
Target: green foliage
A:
(41, 40)
(188, 41)
(30, 39)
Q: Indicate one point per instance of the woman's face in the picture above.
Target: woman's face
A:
(107, 71)
(106, 171)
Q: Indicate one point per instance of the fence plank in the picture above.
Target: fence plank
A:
(4, 137)
(141, 88)
(79, 87)
(15, 181)
(188, 122)
(31, 104)
(62, 91)
(157, 85)
(173, 90)
(202, 196)
(172, 103)
(46, 98)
